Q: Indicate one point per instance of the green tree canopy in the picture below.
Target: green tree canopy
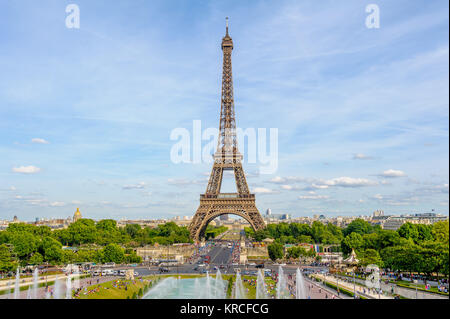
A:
(113, 253)
(353, 241)
(358, 226)
(275, 251)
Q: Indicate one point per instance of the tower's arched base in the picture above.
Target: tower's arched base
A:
(210, 208)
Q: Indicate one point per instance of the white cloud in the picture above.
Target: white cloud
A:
(26, 169)
(362, 157)
(39, 141)
(57, 204)
(278, 179)
(262, 190)
(349, 182)
(322, 184)
(319, 186)
(392, 173)
(314, 197)
(140, 185)
(184, 182)
(290, 187)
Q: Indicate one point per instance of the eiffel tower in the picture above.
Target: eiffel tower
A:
(227, 158)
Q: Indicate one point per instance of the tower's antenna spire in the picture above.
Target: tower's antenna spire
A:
(227, 24)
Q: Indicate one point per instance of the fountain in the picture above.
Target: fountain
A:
(239, 291)
(9, 288)
(261, 291)
(282, 291)
(35, 283)
(76, 279)
(219, 284)
(57, 289)
(69, 287)
(190, 288)
(208, 287)
(299, 285)
(17, 285)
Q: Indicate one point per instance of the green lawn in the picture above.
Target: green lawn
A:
(108, 290)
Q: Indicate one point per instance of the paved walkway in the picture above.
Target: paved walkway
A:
(350, 287)
(410, 293)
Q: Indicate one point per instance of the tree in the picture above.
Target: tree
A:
(353, 241)
(52, 250)
(370, 257)
(275, 251)
(408, 230)
(132, 230)
(36, 259)
(440, 231)
(387, 238)
(319, 231)
(358, 226)
(425, 232)
(401, 258)
(24, 244)
(261, 234)
(6, 262)
(113, 253)
(83, 231)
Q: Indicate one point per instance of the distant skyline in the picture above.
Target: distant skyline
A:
(86, 114)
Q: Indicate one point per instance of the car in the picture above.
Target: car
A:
(259, 266)
(252, 264)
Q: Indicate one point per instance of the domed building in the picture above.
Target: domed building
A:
(77, 215)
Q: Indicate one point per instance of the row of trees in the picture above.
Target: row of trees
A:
(294, 233)
(99, 242)
(412, 248)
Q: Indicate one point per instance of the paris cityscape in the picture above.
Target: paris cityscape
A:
(235, 151)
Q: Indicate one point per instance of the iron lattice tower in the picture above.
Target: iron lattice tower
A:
(227, 158)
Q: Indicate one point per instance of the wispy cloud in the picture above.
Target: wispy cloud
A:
(360, 156)
(392, 173)
(140, 185)
(26, 169)
(39, 141)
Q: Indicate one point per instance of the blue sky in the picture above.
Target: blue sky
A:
(86, 114)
